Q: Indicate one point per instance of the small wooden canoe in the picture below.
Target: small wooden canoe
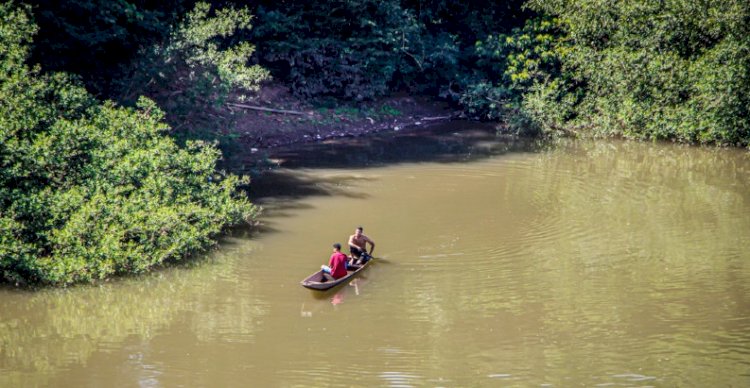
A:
(316, 281)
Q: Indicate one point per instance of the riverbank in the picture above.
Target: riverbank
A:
(277, 118)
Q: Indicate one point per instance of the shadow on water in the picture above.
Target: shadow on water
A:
(284, 185)
(442, 143)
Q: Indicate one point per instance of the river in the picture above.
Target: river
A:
(499, 262)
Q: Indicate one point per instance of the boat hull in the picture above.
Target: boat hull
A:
(315, 280)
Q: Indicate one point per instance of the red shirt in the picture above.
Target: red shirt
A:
(338, 265)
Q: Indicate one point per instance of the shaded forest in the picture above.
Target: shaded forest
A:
(644, 69)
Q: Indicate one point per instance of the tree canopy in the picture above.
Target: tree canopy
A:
(89, 189)
(642, 69)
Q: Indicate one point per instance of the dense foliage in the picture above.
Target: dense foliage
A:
(361, 49)
(650, 69)
(643, 69)
(513, 67)
(89, 189)
(191, 72)
(98, 39)
(184, 55)
(351, 49)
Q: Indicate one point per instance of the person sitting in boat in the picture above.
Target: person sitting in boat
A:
(336, 267)
(358, 247)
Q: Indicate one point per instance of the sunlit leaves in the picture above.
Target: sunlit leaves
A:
(197, 66)
(660, 70)
(524, 77)
(89, 190)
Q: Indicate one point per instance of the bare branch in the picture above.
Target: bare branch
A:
(262, 109)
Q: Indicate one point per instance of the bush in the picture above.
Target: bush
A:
(523, 82)
(679, 70)
(90, 190)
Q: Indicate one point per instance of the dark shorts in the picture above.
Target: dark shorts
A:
(356, 252)
(359, 254)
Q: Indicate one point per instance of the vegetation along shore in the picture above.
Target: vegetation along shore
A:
(115, 115)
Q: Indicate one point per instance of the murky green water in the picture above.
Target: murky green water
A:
(499, 264)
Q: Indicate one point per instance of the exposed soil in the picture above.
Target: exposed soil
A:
(302, 122)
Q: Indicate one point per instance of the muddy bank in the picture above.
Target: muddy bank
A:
(275, 118)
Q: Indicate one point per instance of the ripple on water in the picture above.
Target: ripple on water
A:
(396, 379)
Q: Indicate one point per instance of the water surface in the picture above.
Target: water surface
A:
(500, 263)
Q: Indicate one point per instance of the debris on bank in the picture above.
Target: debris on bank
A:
(275, 118)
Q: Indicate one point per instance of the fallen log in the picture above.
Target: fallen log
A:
(271, 110)
(436, 118)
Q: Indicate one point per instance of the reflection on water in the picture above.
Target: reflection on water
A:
(499, 263)
(44, 333)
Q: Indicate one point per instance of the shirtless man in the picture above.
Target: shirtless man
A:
(358, 247)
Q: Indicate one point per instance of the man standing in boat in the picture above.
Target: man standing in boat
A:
(358, 247)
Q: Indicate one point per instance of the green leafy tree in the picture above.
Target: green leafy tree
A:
(522, 79)
(192, 72)
(659, 70)
(89, 190)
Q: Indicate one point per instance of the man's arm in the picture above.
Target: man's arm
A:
(372, 244)
(351, 242)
